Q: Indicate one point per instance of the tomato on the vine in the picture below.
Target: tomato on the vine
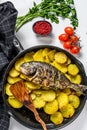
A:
(69, 30)
(70, 40)
(74, 38)
(63, 37)
(67, 44)
(75, 49)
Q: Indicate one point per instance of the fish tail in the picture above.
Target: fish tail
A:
(83, 89)
(79, 88)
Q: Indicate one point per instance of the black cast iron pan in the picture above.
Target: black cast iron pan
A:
(25, 116)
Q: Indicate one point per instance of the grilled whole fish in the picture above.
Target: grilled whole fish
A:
(47, 75)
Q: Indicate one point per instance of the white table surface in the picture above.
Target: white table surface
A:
(28, 39)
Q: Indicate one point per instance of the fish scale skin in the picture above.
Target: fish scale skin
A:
(47, 76)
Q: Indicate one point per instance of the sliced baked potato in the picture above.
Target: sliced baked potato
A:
(39, 102)
(28, 56)
(18, 63)
(51, 55)
(60, 57)
(12, 80)
(67, 91)
(73, 69)
(60, 67)
(48, 95)
(45, 55)
(14, 102)
(57, 118)
(7, 90)
(14, 73)
(74, 100)
(68, 111)
(31, 85)
(38, 55)
(62, 99)
(51, 107)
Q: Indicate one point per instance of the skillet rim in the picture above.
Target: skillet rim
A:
(50, 125)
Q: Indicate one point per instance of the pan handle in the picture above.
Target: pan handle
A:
(17, 45)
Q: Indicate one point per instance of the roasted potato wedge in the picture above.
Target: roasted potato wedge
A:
(57, 118)
(51, 107)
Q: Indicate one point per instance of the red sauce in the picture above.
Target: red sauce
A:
(42, 27)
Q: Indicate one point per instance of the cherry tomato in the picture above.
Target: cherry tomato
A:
(75, 49)
(74, 38)
(67, 44)
(63, 37)
(69, 30)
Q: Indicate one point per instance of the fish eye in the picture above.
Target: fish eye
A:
(32, 71)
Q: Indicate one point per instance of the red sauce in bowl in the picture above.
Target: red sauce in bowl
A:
(42, 27)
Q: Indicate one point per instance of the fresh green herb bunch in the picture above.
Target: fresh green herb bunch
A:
(50, 9)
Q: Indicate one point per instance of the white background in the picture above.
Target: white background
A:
(28, 39)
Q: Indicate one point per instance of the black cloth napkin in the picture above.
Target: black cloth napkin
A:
(8, 15)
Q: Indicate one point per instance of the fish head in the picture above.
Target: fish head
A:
(28, 69)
